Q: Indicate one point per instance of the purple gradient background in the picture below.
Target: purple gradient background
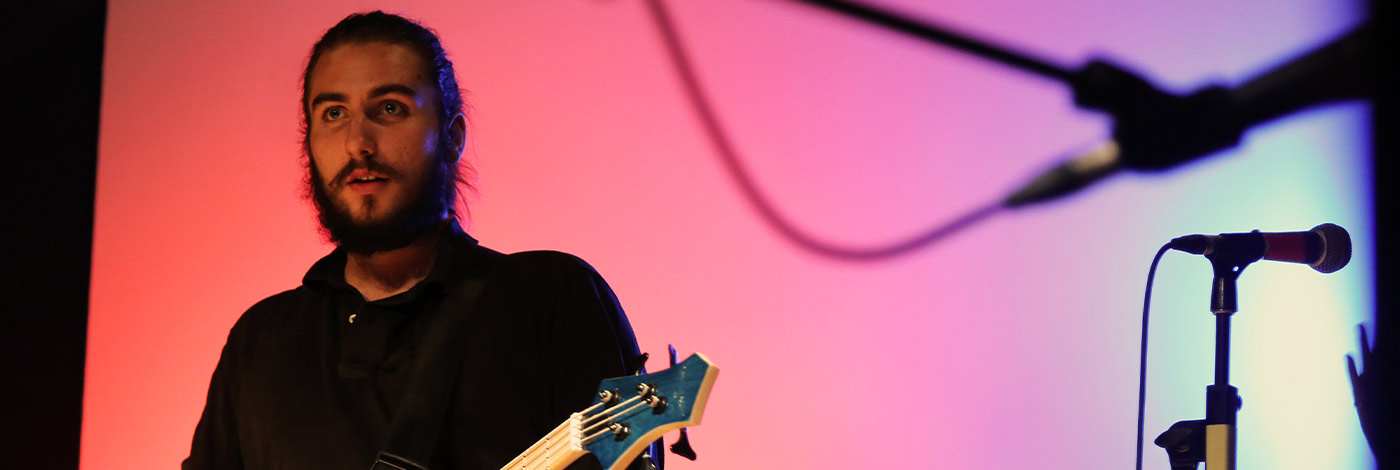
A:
(1011, 345)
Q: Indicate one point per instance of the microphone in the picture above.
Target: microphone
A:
(1155, 131)
(1326, 247)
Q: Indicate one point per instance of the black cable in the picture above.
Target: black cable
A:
(1142, 364)
(750, 190)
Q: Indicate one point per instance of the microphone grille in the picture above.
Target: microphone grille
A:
(1336, 248)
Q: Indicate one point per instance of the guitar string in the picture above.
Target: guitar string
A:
(613, 408)
(524, 457)
(552, 452)
(609, 413)
(590, 438)
(591, 408)
(531, 457)
(534, 452)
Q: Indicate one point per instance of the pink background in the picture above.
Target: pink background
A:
(1011, 345)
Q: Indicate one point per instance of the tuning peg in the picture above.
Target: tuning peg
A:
(639, 363)
(682, 446)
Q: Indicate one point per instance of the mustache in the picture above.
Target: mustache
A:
(367, 165)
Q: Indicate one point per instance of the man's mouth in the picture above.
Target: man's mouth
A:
(366, 182)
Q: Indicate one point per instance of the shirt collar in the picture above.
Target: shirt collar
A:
(329, 271)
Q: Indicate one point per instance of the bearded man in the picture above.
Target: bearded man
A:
(316, 377)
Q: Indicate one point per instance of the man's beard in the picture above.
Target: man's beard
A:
(427, 198)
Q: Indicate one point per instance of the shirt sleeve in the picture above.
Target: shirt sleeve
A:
(215, 445)
(591, 339)
(588, 337)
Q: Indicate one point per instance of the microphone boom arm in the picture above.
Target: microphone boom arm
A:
(1154, 130)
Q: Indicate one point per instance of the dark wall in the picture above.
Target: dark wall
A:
(1381, 402)
(1387, 143)
(52, 85)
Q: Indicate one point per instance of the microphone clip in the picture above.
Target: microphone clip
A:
(1156, 129)
(1228, 255)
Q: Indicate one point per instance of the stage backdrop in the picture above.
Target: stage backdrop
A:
(1011, 345)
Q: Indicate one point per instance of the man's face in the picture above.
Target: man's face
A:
(379, 170)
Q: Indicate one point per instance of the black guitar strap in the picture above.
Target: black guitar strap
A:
(421, 412)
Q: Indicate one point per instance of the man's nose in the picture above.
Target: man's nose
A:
(360, 140)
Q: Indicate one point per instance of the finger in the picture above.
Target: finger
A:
(1365, 345)
(1351, 367)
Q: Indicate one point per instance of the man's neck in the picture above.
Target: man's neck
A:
(388, 273)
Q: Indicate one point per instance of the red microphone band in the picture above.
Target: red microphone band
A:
(1291, 247)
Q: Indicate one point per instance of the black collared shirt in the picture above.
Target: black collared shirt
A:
(310, 378)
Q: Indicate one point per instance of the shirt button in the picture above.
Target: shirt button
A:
(352, 318)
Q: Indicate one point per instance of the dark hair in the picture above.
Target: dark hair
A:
(377, 26)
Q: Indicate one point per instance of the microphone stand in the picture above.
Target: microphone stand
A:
(1183, 441)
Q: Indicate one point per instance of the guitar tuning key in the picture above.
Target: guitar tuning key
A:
(638, 364)
(657, 403)
(646, 389)
(621, 430)
(682, 446)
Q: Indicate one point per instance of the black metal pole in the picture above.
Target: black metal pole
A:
(946, 37)
(1222, 402)
(1222, 348)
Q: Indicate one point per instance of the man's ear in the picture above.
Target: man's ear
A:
(456, 132)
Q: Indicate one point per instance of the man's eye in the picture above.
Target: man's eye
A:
(391, 109)
(334, 113)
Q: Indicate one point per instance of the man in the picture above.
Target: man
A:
(314, 377)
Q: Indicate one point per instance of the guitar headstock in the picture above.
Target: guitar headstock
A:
(631, 412)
